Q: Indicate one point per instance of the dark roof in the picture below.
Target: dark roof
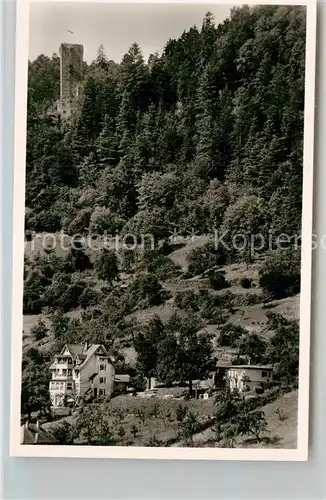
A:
(76, 349)
(84, 356)
(92, 350)
(253, 367)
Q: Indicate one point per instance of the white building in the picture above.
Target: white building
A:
(80, 370)
(247, 377)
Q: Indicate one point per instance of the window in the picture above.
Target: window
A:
(102, 367)
(69, 372)
(264, 374)
(64, 371)
(102, 380)
(101, 392)
(69, 385)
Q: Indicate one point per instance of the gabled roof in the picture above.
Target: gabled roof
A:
(75, 349)
(84, 356)
(250, 367)
(91, 351)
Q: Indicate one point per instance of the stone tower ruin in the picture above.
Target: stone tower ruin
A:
(71, 78)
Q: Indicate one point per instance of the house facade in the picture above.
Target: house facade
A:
(80, 370)
(246, 378)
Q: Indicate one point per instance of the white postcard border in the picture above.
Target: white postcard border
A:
(16, 448)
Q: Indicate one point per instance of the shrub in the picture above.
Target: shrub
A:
(247, 299)
(285, 348)
(103, 219)
(146, 287)
(217, 280)
(34, 289)
(129, 258)
(163, 267)
(39, 331)
(230, 334)
(80, 223)
(76, 260)
(204, 258)
(54, 293)
(227, 300)
(88, 297)
(245, 282)
(252, 346)
(64, 433)
(71, 297)
(48, 263)
(187, 300)
(106, 265)
(280, 274)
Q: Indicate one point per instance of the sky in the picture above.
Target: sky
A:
(116, 26)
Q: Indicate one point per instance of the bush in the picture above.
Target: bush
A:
(80, 223)
(210, 307)
(106, 265)
(34, 289)
(64, 433)
(55, 291)
(285, 348)
(39, 331)
(146, 288)
(245, 282)
(103, 219)
(71, 298)
(217, 280)
(230, 334)
(128, 258)
(187, 300)
(76, 260)
(88, 297)
(204, 258)
(280, 274)
(247, 299)
(154, 262)
(252, 346)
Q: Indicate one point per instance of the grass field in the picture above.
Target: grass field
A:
(144, 419)
(281, 416)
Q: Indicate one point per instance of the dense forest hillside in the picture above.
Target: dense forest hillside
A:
(208, 134)
(202, 140)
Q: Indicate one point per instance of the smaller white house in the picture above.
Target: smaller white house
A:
(246, 378)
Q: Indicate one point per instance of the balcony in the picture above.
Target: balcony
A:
(62, 374)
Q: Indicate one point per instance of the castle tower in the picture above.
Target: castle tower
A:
(71, 78)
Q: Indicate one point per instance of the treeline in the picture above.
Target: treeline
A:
(207, 135)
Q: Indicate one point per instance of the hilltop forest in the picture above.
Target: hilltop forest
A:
(208, 133)
(205, 136)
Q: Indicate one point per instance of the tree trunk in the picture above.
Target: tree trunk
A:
(190, 387)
